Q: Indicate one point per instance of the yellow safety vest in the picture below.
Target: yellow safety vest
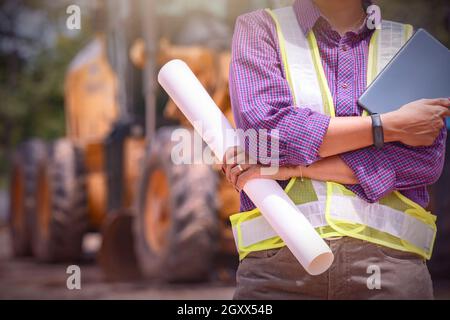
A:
(395, 221)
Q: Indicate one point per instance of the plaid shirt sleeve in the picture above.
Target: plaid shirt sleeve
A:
(261, 97)
(395, 167)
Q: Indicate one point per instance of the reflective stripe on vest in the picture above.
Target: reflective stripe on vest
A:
(395, 221)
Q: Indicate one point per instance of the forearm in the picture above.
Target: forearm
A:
(328, 169)
(346, 134)
(395, 167)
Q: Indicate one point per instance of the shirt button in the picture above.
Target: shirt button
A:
(344, 47)
(344, 85)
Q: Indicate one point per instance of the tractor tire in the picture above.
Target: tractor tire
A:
(176, 228)
(61, 218)
(23, 179)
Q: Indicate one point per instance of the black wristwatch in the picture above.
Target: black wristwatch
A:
(377, 130)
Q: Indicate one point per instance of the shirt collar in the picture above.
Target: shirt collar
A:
(308, 14)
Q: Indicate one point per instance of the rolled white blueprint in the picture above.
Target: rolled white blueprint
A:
(277, 208)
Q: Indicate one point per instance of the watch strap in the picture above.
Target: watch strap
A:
(377, 130)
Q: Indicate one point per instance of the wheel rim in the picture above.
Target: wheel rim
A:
(157, 213)
(17, 200)
(43, 203)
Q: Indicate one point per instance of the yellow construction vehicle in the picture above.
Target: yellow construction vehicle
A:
(112, 172)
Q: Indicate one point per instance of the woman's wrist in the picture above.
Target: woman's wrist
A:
(288, 172)
(391, 127)
(304, 172)
(329, 169)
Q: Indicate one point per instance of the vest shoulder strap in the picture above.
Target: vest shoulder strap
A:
(298, 61)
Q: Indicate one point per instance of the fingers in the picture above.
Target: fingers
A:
(228, 171)
(236, 171)
(442, 106)
(244, 177)
(234, 155)
(229, 161)
(441, 110)
(229, 155)
(253, 172)
(235, 163)
(444, 102)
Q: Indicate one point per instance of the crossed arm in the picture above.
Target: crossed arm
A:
(338, 149)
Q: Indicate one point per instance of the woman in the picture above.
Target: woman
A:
(313, 144)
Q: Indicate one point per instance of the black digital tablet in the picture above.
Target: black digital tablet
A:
(421, 69)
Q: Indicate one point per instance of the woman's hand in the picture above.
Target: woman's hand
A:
(417, 123)
(239, 169)
(240, 178)
(238, 173)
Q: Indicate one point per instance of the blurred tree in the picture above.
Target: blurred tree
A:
(35, 50)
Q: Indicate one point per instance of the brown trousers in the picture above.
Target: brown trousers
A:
(361, 270)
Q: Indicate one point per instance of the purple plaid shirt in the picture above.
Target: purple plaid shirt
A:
(261, 99)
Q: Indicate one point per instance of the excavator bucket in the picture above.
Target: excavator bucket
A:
(117, 257)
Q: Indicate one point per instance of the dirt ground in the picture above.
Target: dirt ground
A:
(26, 279)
